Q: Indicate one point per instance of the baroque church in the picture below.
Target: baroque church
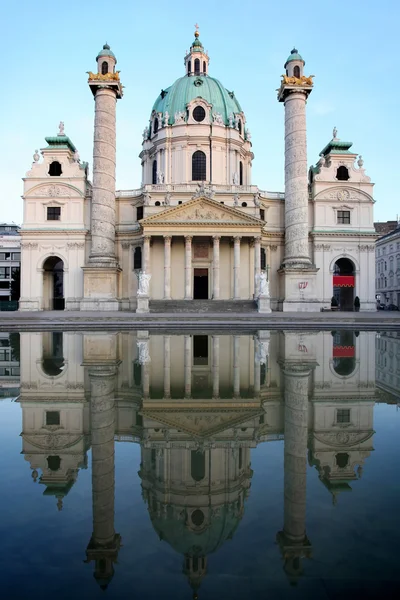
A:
(197, 228)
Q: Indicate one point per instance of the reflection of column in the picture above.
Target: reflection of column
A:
(167, 366)
(104, 544)
(188, 366)
(167, 267)
(293, 539)
(236, 267)
(144, 360)
(236, 366)
(188, 267)
(146, 254)
(257, 369)
(215, 365)
(257, 266)
(216, 239)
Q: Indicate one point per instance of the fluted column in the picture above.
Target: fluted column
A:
(188, 366)
(146, 254)
(236, 366)
(296, 181)
(236, 267)
(188, 267)
(215, 365)
(257, 266)
(167, 366)
(103, 192)
(167, 267)
(216, 240)
(104, 544)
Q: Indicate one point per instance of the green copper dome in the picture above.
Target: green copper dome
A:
(106, 51)
(294, 55)
(184, 90)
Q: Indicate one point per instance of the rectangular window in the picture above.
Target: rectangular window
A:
(200, 350)
(343, 217)
(262, 214)
(53, 417)
(4, 285)
(16, 256)
(139, 213)
(5, 256)
(5, 354)
(343, 415)
(53, 213)
(4, 272)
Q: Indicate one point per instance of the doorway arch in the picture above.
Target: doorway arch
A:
(53, 283)
(343, 283)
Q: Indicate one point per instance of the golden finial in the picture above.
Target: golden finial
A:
(196, 33)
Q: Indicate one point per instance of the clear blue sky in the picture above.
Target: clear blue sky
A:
(351, 47)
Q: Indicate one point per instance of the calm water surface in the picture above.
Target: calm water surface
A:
(211, 466)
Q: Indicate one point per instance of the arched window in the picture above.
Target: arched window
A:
(342, 174)
(244, 204)
(198, 165)
(240, 126)
(137, 258)
(55, 169)
(296, 72)
(240, 458)
(204, 67)
(154, 173)
(240, 173)
(342, 460)
(104, 68)
(155, 127)
(189, 67)
(197, 67)
(197, 465)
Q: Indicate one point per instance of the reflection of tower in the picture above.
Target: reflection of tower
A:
(293, 539)
(105, 543)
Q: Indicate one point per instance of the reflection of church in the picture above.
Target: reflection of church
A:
(197, 405)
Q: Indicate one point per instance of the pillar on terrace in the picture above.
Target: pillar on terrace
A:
(146, 254)
(101, 271)
(167, 267)
(188, 267)
(236, 267)
(216, 240)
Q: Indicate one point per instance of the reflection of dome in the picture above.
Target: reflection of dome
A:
(187, 535)
(184, 90)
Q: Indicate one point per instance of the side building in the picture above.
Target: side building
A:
(387, 261)
(10, 259)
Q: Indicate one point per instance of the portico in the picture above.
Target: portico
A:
(202, 251)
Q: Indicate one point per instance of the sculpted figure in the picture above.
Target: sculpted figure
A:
(166, 118)
(167, 200)
(264, 284)
(61, 128)
(263, 351)
(36, 156)
(145, 133)
(160, 177)
(235, 178)
(179, 117)
(334, 133)
(76, 156)
(144, 354)
(144, 283)
(230, 119)
(248, 135)
(256, 200)
(236, 199)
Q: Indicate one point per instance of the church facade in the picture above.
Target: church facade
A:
(197, 228)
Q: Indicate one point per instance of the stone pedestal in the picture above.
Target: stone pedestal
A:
(299, 290)
(100, 288)
(264, 304)
(142, 304)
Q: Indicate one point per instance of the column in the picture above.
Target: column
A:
(105, 543)
(236, 366)
(257, 368)
(146, 254)
(257, 266)
(188, 366)
(167, 366)
(216, 240)
(188, 267)
(236, 267)
(167, 267)
(293, 539)
(215, 365)
(296, 180)
(103, 193)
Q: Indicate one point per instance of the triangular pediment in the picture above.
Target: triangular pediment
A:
(202, 424)
(202, 211)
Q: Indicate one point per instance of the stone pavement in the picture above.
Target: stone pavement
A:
(81, 321)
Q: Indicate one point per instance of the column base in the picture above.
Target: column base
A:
(264, 304)
(142, 304)
(26, 305)
(300, 289)
(100, 289)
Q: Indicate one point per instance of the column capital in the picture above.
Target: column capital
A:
(257, 239)
(188, 238)
(146, 238)
(216, 238)
(237, 238)
(167, 239)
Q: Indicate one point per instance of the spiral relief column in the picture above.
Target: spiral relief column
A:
(100, 273)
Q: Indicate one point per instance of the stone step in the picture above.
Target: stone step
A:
(201, 306)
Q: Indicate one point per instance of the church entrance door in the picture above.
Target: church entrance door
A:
(200, 284)
(53, 284)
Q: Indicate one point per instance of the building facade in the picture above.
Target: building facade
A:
(387, 268)
(10, 258)
(197, 226)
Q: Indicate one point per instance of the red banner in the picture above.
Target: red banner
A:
(343, 351)
(343, 281)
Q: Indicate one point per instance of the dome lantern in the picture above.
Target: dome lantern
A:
(294, 64)
(196, 60)
(106, 60)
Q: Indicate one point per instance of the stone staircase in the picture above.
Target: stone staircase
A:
(202, 306)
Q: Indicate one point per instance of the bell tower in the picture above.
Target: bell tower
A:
(101, 271)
